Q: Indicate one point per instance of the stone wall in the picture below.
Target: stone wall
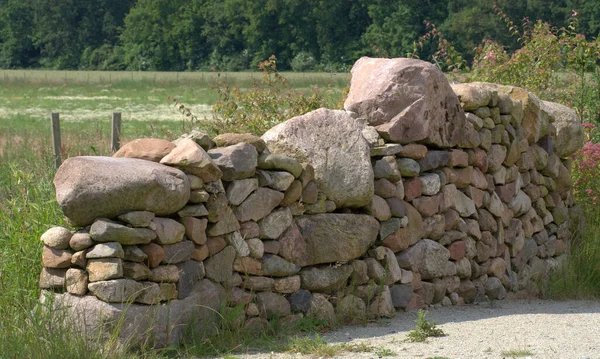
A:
(418, 194)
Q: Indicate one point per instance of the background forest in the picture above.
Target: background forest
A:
(232, 35)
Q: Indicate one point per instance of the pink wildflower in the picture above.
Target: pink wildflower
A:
(588, 125)
(491, 55)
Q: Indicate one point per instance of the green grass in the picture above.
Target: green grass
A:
(580, 275)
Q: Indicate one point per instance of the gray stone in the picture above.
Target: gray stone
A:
(325, 279)
(168, 231)
(570, 135)
(260, 203)
(272, 305)
(52, 278)
(275, 223)
(138, 218)
(387, 168)
(280, 180)
(388, 149)
(76, 281)
(219, 267)
(401, 295)
(194, 210)
(151, 293)
(236, 240)
(275, 266)
(408, 167)
(178, 252)
(300, 301)
(80, 241)
(430, 184)
(190, 274)
(157, 326)
(57, 237)
(134, 254)
(136, 271)
(116, 290)
(433, 160)
(236, 162)
(323, 137)
(274, 161)
(346, 237)
(239, 190)
(105, 231)
(320, 308)
(106, 250)
(116, 186)
(351, 309)
(426, 257)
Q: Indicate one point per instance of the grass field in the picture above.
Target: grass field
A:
(85, 102)
(27, 204)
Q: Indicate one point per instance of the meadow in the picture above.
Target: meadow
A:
(85, 102)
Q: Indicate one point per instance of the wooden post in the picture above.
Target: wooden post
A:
(56, 138)
(116, 131)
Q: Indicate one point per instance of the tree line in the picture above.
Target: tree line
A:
(233, 35)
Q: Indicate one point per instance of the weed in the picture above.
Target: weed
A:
(384, 352)
(518, 353)
(424, 329)
(313, 346)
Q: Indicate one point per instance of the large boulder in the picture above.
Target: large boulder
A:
(142, 324)
(570, 135)
(328, 238)
(407, 100)
(93, 187)
(332, 142)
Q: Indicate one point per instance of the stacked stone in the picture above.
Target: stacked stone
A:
(473, 213)
(400, 202)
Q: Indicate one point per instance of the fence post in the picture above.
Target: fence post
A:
(116, 131)
(56, 138)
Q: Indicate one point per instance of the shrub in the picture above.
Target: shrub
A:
(267, 103)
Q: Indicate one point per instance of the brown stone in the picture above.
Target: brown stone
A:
(149, 149)
(154, 252)
(200, 253)
(193, 159)
(215, 244)
(195, 229)
(457, 250)
(56, 258)
(412, 188)
(413, 150)
(427, 205)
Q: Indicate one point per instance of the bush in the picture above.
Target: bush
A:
(267, 103)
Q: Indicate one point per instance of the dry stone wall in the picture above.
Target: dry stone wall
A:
(418, 194)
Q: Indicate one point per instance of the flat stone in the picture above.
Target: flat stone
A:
(274, 161)
(194, 210)
(165, 274)
(192, 158)
(136, 271)
(325, 279)
(260, 203)
(106, 250)
(388, 149)
(426, 257)
(227, 223)
(288, 285)
(104, 269)
(433, 160)
(275, 266)
(258, 284)
(215, 244)
(413, 150)
(105, 231)
(149, 149)
(134, 254)
(229, 139)
(116, 290)
(138, 218)
(178, 252)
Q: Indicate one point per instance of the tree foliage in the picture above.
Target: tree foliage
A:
(238, 34)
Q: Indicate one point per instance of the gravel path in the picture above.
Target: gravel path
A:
(536, 328)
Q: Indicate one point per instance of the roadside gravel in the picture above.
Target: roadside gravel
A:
(534, 328)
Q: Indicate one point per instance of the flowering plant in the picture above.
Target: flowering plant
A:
(586, 171)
